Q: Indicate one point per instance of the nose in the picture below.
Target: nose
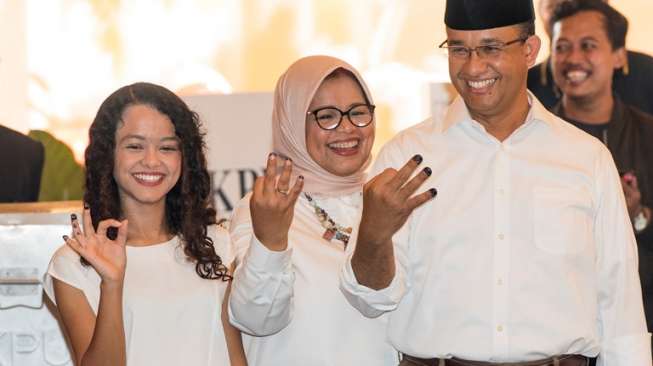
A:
(575, 55)
(346, 124)
(151, 157)
(474, 65)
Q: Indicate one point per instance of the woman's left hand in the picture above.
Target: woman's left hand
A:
(272, 204)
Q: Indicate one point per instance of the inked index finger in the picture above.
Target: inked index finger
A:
(87, 221)
(406, 171)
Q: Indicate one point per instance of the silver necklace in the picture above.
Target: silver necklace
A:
(332, 229)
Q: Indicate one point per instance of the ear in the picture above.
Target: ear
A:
(532, 49)
(620, 58)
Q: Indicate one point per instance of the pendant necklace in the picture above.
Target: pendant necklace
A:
(332, 229)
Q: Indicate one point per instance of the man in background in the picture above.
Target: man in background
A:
(21, 164)
(588, 46)
(633, 83)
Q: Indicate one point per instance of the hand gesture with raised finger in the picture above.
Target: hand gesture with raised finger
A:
(272, 204)
(632, 194)
(108, 257)
(388, 200)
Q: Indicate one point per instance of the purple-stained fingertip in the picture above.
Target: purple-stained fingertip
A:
(433, 191)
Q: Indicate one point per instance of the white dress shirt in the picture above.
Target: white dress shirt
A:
(526, 252)
(291, 301)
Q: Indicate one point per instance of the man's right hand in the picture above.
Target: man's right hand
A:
(388, 201)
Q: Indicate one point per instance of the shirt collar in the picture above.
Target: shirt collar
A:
(458, 112)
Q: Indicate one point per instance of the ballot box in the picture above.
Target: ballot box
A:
(30, 333)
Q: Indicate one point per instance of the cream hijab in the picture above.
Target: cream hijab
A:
(292, 96)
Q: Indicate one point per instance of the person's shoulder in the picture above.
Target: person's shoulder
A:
(218, 232)
(15, 140)
(417, 133)
(566, 132)
(65, 253)
(643, 119)
(219, 235)
(639, 59)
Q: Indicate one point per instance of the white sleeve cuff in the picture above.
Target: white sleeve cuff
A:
(261, 259)
(372, 303)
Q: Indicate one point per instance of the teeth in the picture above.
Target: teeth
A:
(577, 76)
(480, 84)
(344, 145)
(148, 177)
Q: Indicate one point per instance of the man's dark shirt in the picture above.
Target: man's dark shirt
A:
(21, 165)
(629, 137)
(634, 89)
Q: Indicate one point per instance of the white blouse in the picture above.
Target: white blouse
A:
(291, 300)
(171, 315)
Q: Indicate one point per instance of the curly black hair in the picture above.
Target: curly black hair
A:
(188, 208)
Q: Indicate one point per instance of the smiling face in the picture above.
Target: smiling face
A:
(583, 60)
(345, 150)
(492, 86)
(147, 156)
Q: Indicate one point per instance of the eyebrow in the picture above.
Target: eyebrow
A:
(333, 106)
(484, 41)
(142, 138)
(588, 38)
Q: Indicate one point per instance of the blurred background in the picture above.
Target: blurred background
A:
(60, 58)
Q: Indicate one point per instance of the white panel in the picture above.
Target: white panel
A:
(238, 138)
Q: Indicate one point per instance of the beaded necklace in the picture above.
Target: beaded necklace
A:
(332, 229)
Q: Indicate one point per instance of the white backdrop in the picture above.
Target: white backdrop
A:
(238, 139)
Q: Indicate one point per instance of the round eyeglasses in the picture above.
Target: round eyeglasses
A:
(329, 118)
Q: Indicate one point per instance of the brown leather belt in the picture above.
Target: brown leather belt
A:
(564, 360)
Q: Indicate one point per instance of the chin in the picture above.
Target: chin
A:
(342, 170)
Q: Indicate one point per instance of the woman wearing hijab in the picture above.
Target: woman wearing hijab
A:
(291, 233)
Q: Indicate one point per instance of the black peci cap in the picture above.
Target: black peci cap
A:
(487, 14)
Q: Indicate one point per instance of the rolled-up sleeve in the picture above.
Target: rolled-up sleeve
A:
(261, 296)
(373, 303)
(624, 337)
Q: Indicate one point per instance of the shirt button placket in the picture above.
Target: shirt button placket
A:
(501, 249)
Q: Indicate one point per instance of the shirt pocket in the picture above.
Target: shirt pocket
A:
(562, 220)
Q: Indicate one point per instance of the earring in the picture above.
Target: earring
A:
(626, 69)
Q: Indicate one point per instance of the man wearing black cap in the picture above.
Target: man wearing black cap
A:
(527, 255)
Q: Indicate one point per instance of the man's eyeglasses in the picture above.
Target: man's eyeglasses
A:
(488, 51)
(329, 118)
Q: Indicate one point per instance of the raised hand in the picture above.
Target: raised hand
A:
(273, 202)
(108, 257)
(388, 201)
(632, 194)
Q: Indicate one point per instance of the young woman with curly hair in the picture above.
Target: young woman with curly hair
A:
(142, 278)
